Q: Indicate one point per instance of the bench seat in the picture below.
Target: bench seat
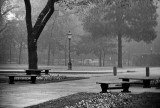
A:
(46, 71)
(37, 71)
(105, 86)
(12, 78)
(146, 80)
(33, 71)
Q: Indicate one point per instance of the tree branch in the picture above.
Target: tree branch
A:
(44, 22)
(28, 16)
(2, 29)
(9, 10)
(43, 18)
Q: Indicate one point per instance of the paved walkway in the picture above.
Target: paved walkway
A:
(21, 95)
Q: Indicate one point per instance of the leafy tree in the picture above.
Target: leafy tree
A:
(20, 39)
(35, 31)
(99, 47)
(8, 42)
(5, 25)
(137, 21)
(2, 2)
(5, 8)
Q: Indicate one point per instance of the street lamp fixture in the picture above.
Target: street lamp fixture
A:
(69, 62)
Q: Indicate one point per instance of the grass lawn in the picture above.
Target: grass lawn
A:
(106, 100)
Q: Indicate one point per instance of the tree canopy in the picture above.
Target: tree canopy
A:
(105, 18)
(136, 20)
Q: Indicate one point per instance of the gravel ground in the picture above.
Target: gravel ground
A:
(105, 100)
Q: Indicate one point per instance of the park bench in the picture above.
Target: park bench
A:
(146, 80)
(12, 79)
(37, 71)
(105, 86)
(46, 71)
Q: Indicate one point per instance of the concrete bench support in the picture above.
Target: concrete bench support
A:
(11, 79)
(146, 84)
(146, 81)
(105, 86)
(147, 71)
(47, 71)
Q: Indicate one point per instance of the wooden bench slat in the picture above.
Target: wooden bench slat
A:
(36, 71)
(32, 78)
(22, 80)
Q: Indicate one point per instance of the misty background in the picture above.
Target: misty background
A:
(85, 48)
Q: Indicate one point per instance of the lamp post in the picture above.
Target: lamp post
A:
(151, 59)
(151, 50)
(69, 62)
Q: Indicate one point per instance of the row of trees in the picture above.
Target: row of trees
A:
(6, 29)
(134, 22)
(100, 47)
(105, 21)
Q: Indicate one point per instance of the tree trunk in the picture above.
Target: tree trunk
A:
(20, 53)
(3, 28)
(100, 59)
(53, 59)
(54, 52)
(81, 60)
(49, 50)
(10, 53)
(32, 55)
(128, 58)
(120, 51)
(35, 31)
(3, 57)
(104, 56)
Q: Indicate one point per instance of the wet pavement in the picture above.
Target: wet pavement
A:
(20, 95)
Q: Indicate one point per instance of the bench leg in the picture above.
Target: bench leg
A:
(125, 87)
(11, 79)
(28, 72)
(104, 88)
(33, 79)
(46, 72)
(146, 84)
(125, 79)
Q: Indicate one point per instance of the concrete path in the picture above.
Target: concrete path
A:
(21, 95)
